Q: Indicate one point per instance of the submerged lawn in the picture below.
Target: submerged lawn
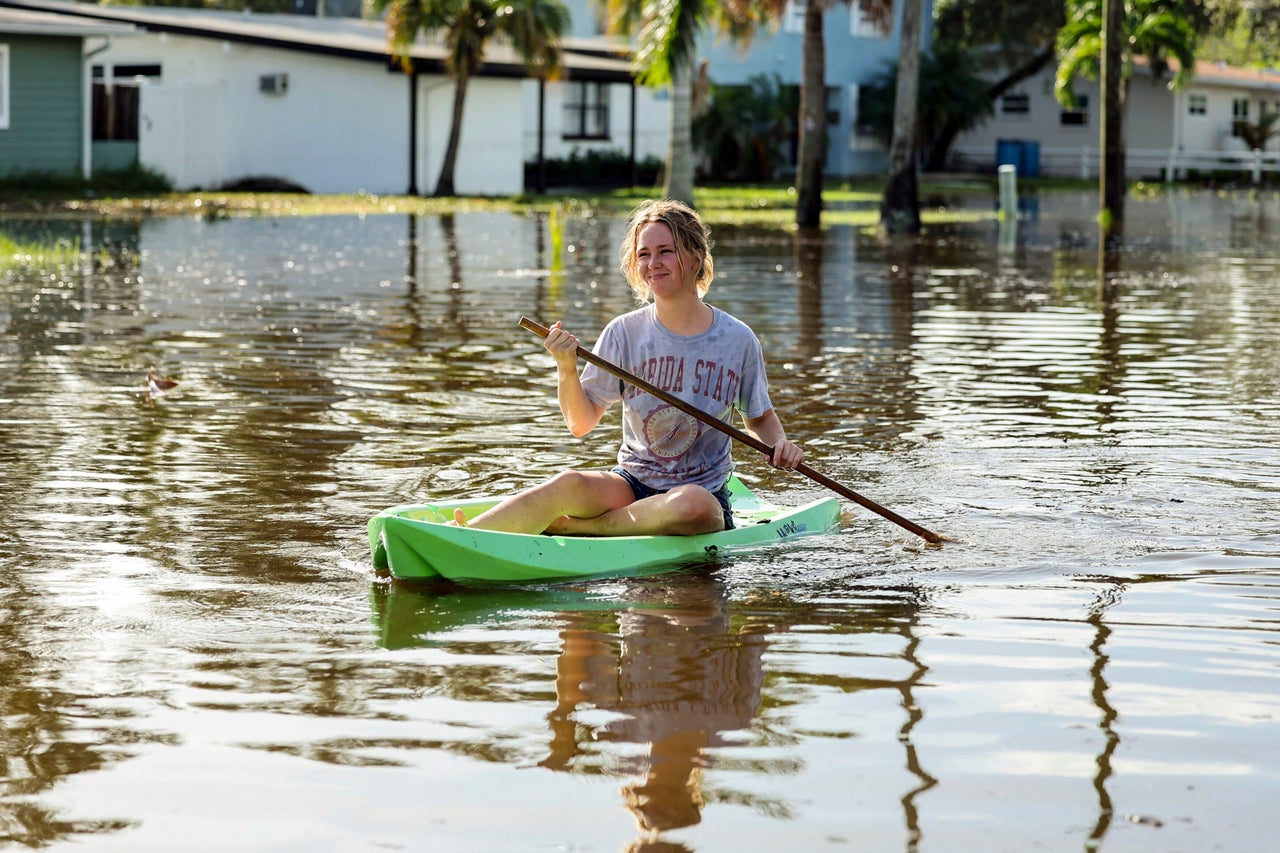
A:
(44, 253)
(845, 203)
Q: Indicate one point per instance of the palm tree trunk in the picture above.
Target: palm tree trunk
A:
(1111, 181)
(444, 186)
(900, 206)
(813, 119)
(677, 181)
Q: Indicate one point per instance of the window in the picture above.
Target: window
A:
(793, 17)
(115, 100)
(586, 110)
(1197, 105)
(1239, 115)
(128, 72)
(1015, 104)
(1077, 116)
(4, 87)
(862, 26)
(864, 136)
(867, 134)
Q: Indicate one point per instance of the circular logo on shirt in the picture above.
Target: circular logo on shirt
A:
(669, 432)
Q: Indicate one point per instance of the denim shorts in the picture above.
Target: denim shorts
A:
(641, 491)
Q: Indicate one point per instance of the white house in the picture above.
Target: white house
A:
(1167, 132)
(212, 97)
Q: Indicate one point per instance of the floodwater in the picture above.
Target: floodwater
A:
(195, 653)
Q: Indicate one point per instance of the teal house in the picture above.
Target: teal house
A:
(45, 91)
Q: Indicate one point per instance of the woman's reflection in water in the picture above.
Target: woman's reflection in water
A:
(677, 675)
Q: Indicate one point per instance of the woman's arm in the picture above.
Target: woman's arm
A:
(580, 414)
(767, 428)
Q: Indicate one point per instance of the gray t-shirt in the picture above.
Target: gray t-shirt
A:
(717, 372)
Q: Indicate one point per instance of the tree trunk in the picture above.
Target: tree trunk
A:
(813, 119)
(677, 182)
(1111, 178)
(900, 206)
(444, 186)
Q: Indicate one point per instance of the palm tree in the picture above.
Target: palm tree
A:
(813, 102)
(534, 28)
(742, 131)
(900, 204)
(666, 54)
(1256, 134)
(1154, 29)
(954, 98)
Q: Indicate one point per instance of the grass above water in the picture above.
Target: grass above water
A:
(844, 203)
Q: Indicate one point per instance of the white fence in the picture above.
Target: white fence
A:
(1140, 164)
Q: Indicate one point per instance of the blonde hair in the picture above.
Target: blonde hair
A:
(687, 228)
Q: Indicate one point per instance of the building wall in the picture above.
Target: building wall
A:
(337, 125)
(1163, 128)
(488, 159)
(652, 119)
(46, 106)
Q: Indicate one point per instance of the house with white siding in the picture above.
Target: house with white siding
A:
(1167, 132)
(212, 97)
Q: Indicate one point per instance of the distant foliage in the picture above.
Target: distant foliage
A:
(1245, 33)
(747, 133)
(134, 180)
(594, 168)
(952, 90)
(223, 5)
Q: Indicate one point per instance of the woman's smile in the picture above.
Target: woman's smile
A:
(658, 259)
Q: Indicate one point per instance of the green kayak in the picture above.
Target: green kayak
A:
(415, 542)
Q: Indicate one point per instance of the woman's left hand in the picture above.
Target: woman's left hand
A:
(786, 455)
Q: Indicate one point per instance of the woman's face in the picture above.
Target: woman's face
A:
(661, 265)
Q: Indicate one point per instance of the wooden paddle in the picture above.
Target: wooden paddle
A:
(749, 440)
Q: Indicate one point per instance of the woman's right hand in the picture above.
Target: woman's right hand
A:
(563, 346)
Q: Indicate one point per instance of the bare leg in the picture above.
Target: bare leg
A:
(683, 511)
(579, 494)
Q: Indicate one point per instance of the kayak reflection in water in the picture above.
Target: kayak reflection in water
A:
(675, 677)
(672, 471)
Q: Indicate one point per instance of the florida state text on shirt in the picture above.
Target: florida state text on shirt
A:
(710, 378)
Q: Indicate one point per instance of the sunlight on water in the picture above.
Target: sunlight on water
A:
(190, 626)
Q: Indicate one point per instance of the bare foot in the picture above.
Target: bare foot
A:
(459, 518)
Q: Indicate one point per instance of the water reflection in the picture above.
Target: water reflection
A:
(663, 682)
(1109, 596)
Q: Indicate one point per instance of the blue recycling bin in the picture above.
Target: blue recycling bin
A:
(1031, 158)
(1022, 154)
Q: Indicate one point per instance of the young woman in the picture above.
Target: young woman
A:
(673, 470)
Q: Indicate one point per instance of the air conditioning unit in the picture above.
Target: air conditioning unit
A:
(273, 84)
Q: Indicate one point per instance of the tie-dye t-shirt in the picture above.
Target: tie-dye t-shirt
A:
(717, 372)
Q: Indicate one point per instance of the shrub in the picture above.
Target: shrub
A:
(594, 168)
